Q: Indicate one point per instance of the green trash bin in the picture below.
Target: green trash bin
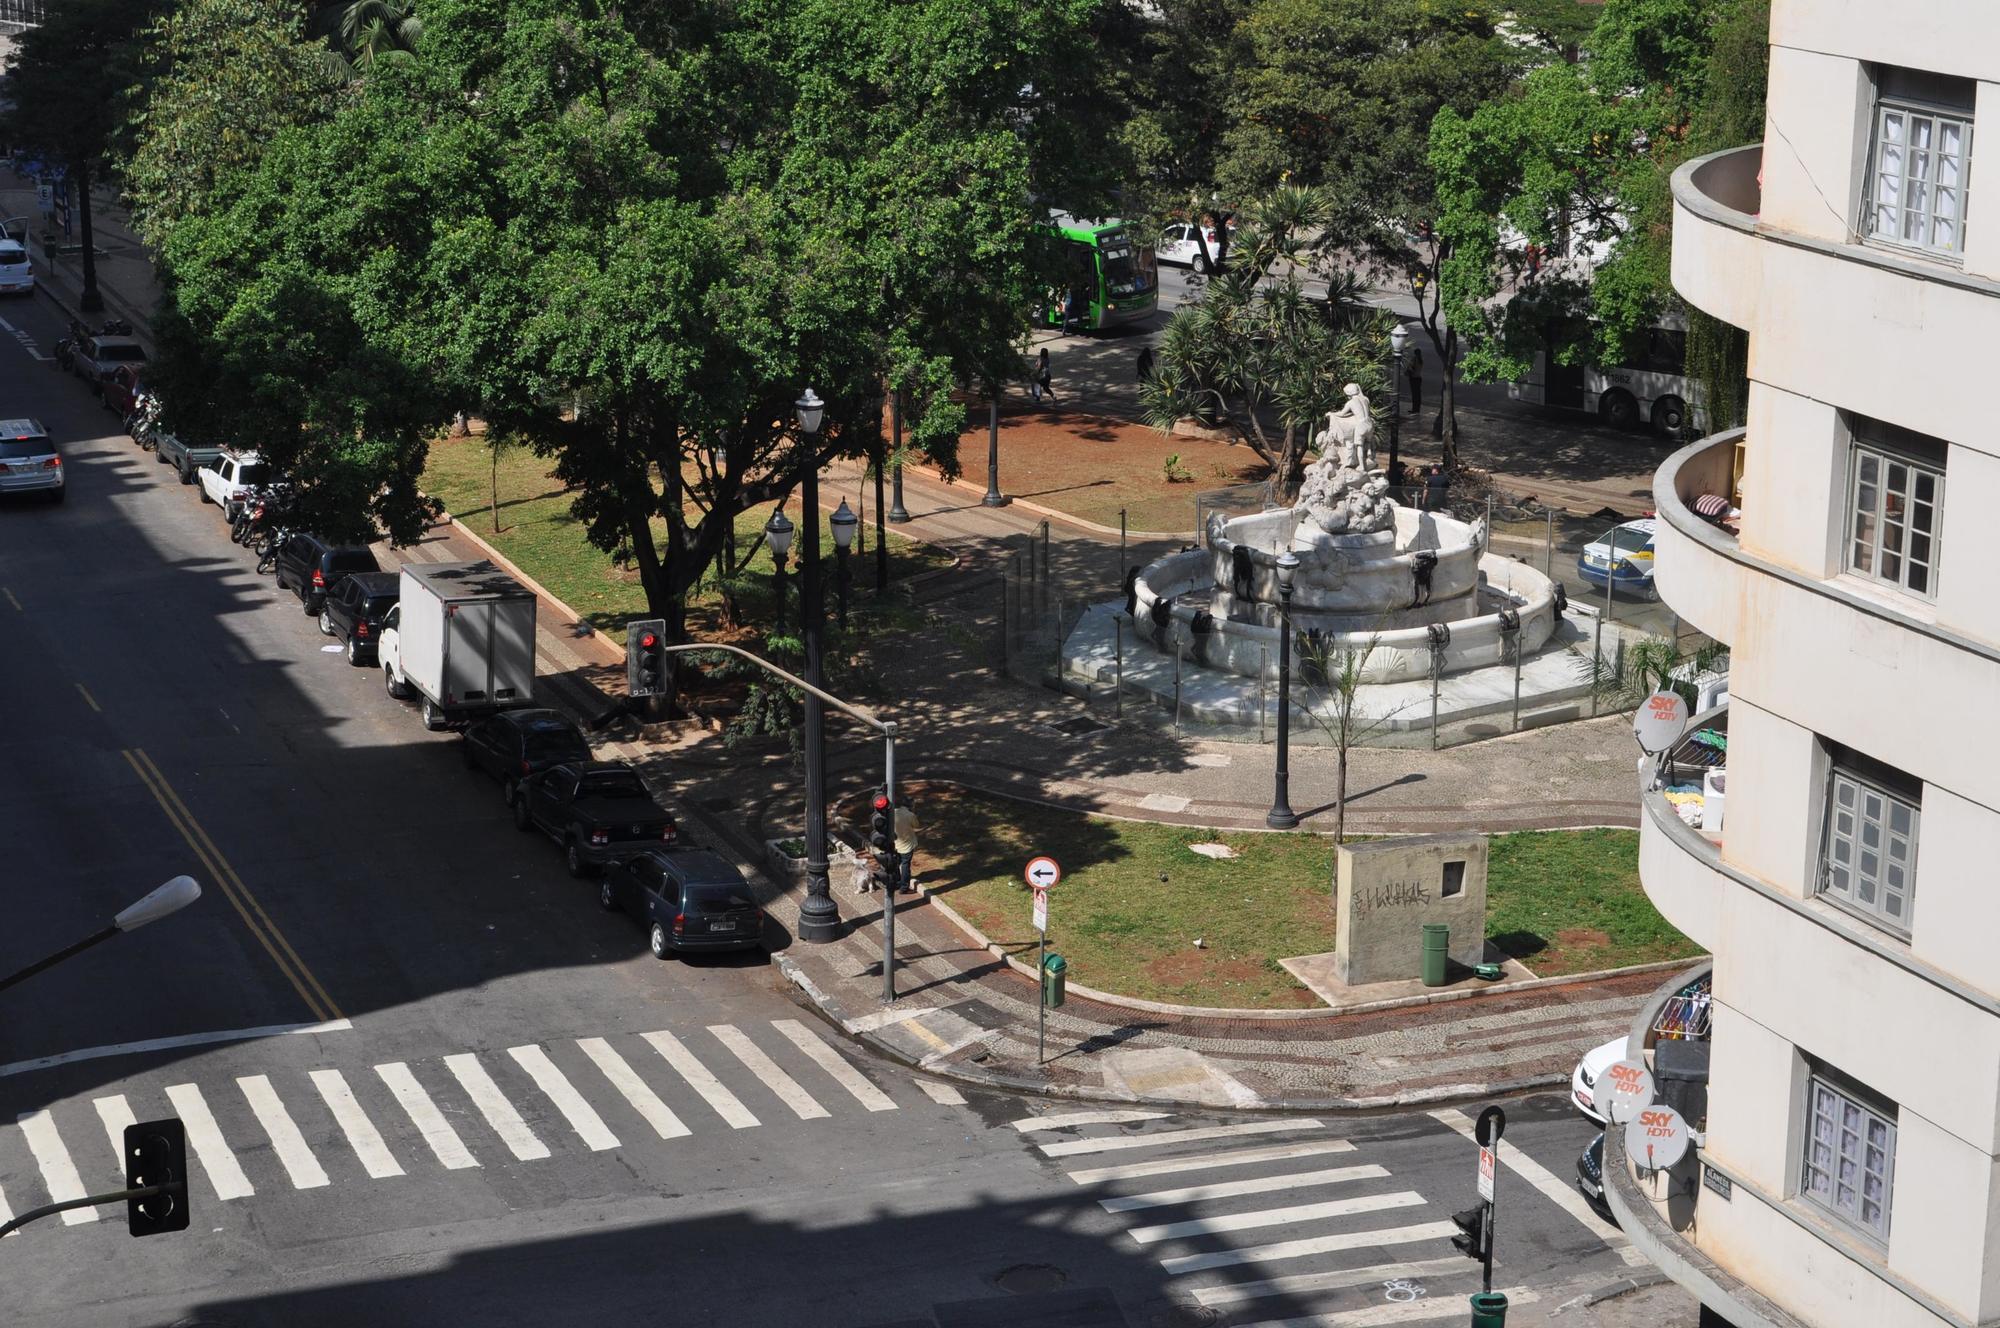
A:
(1437, 952)
(1489, 1309)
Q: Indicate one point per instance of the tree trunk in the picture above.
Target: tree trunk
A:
(1340, 799)
(1446, 425)
(493, 506)
(881, 515)
(88, 300)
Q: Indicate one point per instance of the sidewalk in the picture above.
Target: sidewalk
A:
(125, 274)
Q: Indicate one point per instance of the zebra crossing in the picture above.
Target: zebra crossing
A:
(310, 1131)
(1273, 1223)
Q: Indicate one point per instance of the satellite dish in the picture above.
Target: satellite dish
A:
(1660, 721)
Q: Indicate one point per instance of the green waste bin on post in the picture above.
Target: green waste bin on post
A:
(1489, 1309)
(1437, 950)
(1055, 981)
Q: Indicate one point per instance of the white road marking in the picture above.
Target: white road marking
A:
(1381, 1316)
(1235, 1188)
(495, 1107)
(726, 1103)
(1276, 1217)
(423, 1114)
(1296, 1249)
(866, 1093)
(942, 1094)
(627, 1081)
(171, 1043)
(1562, 1195)
(1237, 1292)
(582, 1117)
(116, 1114)
(1070, 1120)
(58, 1172)
(286, 1141)
(210, 1149)
(362, 1136)
(1071, 1147)
(6, 1214)
(787, 1088)
(1233, 1158)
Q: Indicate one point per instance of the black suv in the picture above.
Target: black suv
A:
(687, 901)
(312, 566)
(515, 744)
(354, 611)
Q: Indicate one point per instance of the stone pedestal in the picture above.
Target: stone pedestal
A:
(1389, 888)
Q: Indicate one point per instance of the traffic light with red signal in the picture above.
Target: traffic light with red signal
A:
(646, 657)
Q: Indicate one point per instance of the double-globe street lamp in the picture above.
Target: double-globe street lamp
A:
(1281, 816)
(1399, 340)
(844, 524)
(778, 534)
(819, 917)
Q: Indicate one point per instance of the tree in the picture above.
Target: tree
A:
(65, 86)
(359, 33)
(1334, 673)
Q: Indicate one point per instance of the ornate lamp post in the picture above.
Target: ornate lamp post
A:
(1399, 340)
(897, 512)
(1281, 816)
(819, 919)
(993, 498)
(778, 534)
(844, 524)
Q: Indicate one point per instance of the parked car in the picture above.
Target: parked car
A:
(187, 459)
(1622, 556)
(95, 356)
(311, 566)
(354, 611)
(1177, 245)
(688, 902)
(518, 744)
(17, 271)
(1590, 1179)
(123, 387)
(230, 478)
(599, 811)
(29, 462)
(1583, 1080)
(461, 640)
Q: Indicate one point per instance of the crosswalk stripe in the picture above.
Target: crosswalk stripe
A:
(867, 1094)
(1563, 1195)
(1235, 1188)
(726, 1103)
(1235, 1157)
(1070, 1120)
(6, 1214)
(1383, 1316)
(627, 1081)
(582, 1117)
(423, 1113)
(787, 1088)
(362, 1136)
(1295, 1249)
(1071, 1147)
(210, 1148)
(495, 1107)
(58, 1172)
(1276, 1217)
(116, 1114)
(1237, 1292)
(942, 1094)
(286, 1141)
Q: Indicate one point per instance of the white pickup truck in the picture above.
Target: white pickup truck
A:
(231, 477)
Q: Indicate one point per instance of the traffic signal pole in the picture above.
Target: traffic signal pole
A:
(895, 876)
(177, 1188)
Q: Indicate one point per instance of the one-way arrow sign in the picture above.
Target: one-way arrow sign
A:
(1042, 873)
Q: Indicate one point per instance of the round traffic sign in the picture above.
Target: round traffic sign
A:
(1624, 1088)
(1042, 873)
(1657, 1137)
(1660, 721)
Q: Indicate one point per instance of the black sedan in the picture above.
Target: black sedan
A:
(688, 901)
(1590, 1179)
(354, 610)
(515, 744)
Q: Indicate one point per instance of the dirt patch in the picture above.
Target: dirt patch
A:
(1580, 938)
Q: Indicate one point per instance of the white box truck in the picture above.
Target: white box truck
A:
(461, 639)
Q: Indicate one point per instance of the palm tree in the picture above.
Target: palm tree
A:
(360, 32)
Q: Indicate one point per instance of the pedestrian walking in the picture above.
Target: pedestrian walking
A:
(906, 850)
(1413, 374)
(1435, 484)
(1040, 386)
(1145, 363)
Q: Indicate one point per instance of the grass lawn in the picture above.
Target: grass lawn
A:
(1134, 897)
(545, 541)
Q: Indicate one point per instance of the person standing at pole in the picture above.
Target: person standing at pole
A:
(1413, 374)
(906, 849)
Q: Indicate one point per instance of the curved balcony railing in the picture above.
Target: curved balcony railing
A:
(1698, 567)
(1716, 264)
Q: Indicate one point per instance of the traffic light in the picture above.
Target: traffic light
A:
(646, 657)
(1470, 1240)
(156, 1154)
(882, 827)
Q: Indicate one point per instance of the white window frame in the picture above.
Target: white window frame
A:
(1900, 207)
(1855, 803)
(1849, 1139)
(1872, 529)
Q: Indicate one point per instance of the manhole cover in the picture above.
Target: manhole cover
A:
(1027, 1279)
(1078, 725)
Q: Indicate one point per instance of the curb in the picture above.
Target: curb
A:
(1623, 1286)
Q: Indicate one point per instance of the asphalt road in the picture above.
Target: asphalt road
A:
(428, 1082)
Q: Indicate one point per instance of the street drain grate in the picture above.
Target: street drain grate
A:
(1078, 726)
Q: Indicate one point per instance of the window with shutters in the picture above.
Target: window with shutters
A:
(1918, 162)
(1895, 501)
(1868, 861)
(1850, 1153)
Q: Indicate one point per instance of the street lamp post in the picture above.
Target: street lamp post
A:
(819, 918)
(1281, 816)
(993, 498)
(778, 534)
(1399, 340)
(844, 524)
(175, 895)
(897, 512)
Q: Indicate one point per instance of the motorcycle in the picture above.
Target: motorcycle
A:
(253, 516)
(65, 355)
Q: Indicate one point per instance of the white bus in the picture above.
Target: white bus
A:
(1651, 390)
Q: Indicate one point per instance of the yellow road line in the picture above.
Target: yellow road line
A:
(89, 698)
(10, 598)
(233, 889)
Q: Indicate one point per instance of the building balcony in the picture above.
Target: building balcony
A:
(1698, 568)
(1717, 264)
(1680, 836)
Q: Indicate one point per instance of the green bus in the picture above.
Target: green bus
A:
(1095, 263)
